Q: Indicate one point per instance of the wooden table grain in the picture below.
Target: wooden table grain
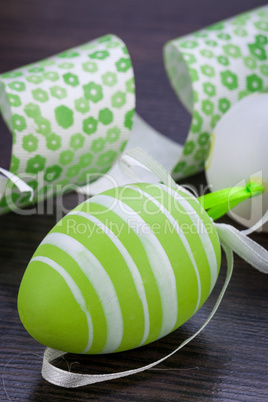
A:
(228, 360)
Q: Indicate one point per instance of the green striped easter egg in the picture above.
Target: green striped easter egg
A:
(121, 270)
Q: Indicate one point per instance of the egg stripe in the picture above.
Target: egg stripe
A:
(179, 232)
(204, 237)
(77, 294)
(100, 281)
(131, 265)
(156, 256)
(135, 248)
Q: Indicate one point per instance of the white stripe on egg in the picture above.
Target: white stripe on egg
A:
(131, 265)
(159, 261)
(100, 281)
(76, 292)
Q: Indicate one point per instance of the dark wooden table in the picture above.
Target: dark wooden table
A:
(229, 360)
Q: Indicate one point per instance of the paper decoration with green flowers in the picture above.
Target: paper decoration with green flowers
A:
(212, 69)
(71, 114)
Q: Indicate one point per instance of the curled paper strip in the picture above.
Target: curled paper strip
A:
(71, 114)
(231, 240)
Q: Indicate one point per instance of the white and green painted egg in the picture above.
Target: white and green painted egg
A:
(123, 269)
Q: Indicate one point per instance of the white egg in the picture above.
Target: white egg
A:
(239, 153)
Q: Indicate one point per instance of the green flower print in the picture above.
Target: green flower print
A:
(189, 58)
(118, 99)
(195, 96)
(107, 158)
(14, 165)
(223, 60)
(17, 86)
(264, 69)
(35, 164)
(90, 67)
(18, 122)
(254, 83)
(11, 74)
(58, 92)
(208, 70)
(232, 51)
(46, 62)
(200, 154)
(193, 74)
(224, 36)
(203, 139)
(86, 160)
(66, 157)
(97, 145)
(130, 86)
(207, 107)
(113, 134)
(129, 119)
(197, 122)
(229, 79)
(81, 105)
(240, 32)
(77, 141)
(14, 100)
(100, 55)
(43, 125)
(123, 64)
(262, 25)
(51, 76)
(64, 116)
(179, 167)
(123, 146)
(207, 53)
(209, 89)
(106, 116)
(215, 120)
(243, 94)
(188, 147)
(71, 79)
(211, 43)
(36, 70)
(73, 171)
(34, 79)
(52, 173)
(40, 95)
(32, 110)
(68, 54)
(93, 92)
(258, 51)
(250, 62)
(261, 40)
(66, 66)
(189, 44)
(109, 79)
(29, 143)
(53, 142)
(224, 104)
(90, 125)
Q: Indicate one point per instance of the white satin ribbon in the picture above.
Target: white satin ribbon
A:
(19, 183)
(231, 240)
(67, 379)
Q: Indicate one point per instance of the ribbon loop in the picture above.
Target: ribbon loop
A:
(19, 183)
(245, 247)
(67, 379)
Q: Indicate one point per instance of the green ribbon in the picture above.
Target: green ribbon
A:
(220, 202)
